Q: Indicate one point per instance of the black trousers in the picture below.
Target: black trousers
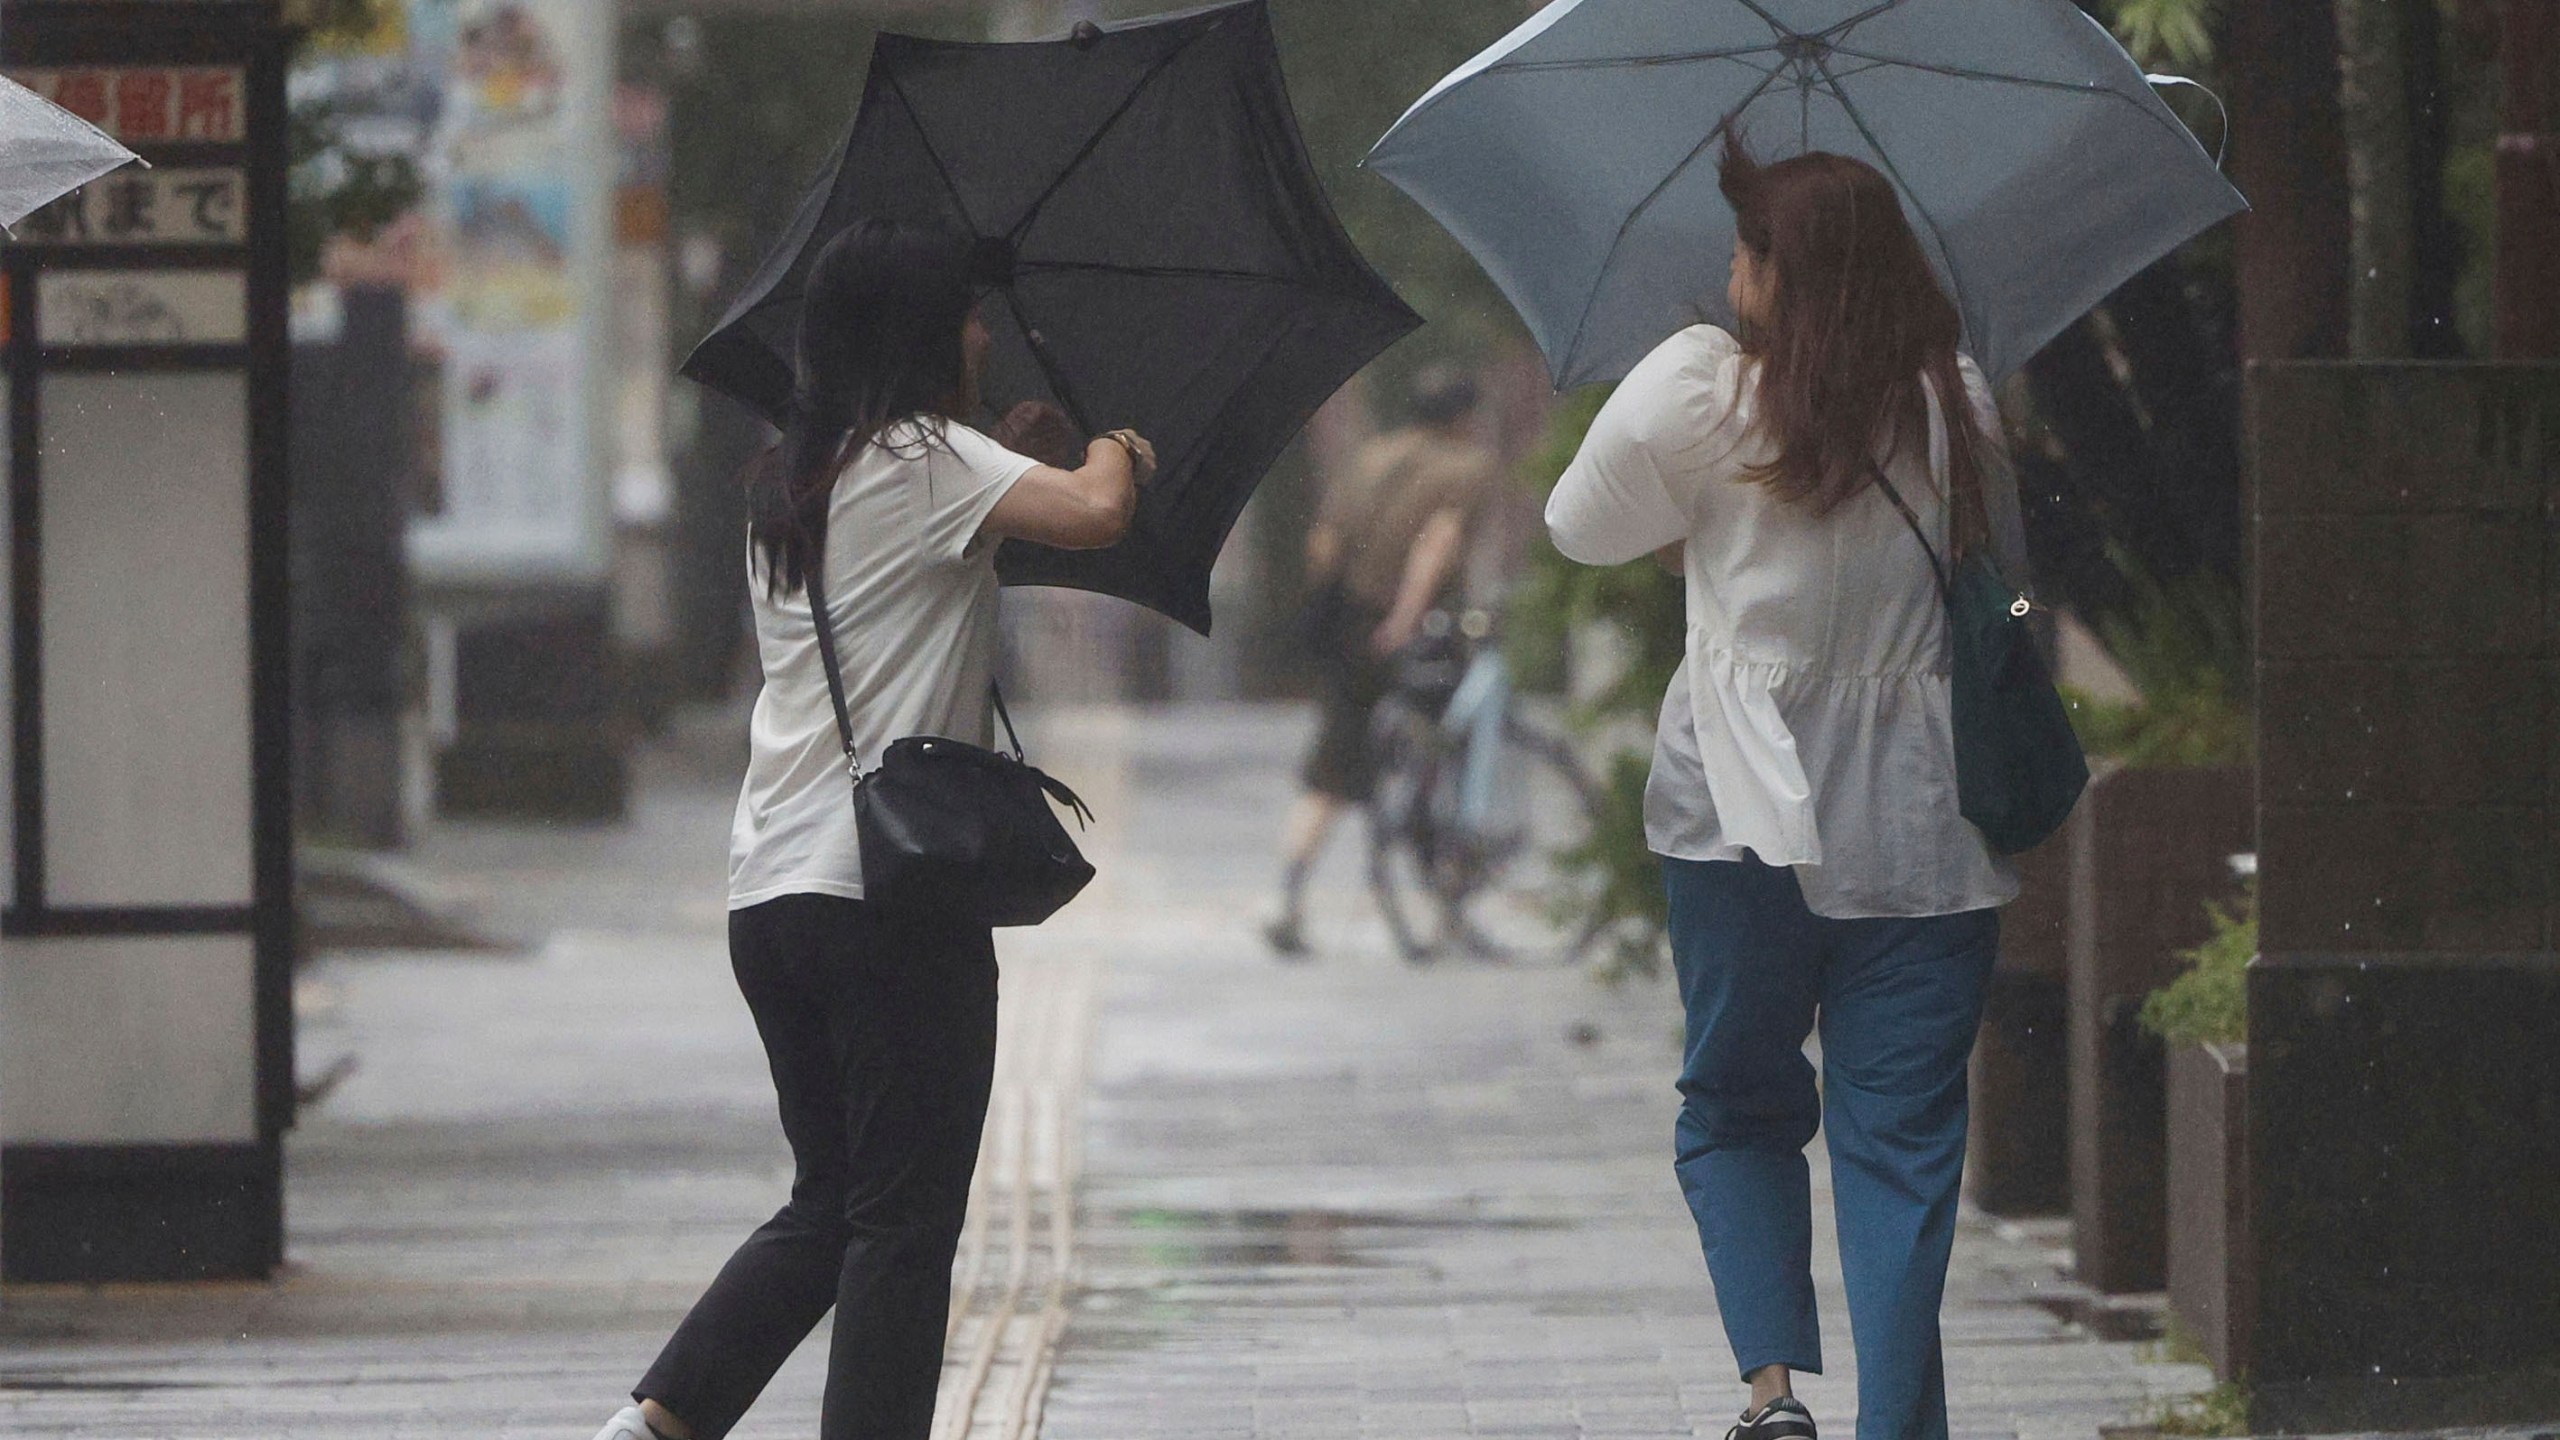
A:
(881, 1031)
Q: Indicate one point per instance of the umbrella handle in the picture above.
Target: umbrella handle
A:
(2164, 82)
(1047, 362)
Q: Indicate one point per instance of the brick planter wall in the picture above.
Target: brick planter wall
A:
(2019, 1151)
(2210, 1259)
(2148, 849)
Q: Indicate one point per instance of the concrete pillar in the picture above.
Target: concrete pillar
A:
(2404, 1093)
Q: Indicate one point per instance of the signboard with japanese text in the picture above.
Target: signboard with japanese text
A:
(152, 104)
(149, 389)
(142, 308)
(147, 207)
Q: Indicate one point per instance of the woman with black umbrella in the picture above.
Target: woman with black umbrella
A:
(880, 1025)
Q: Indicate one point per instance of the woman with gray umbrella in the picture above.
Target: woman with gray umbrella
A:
(1974, 172)
(1803, 793)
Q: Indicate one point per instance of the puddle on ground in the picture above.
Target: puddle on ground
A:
(1261, 1239)
(2101, 1319)
(62, 1384)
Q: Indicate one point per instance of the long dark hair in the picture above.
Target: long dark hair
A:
(1856, 323)
(880, 326)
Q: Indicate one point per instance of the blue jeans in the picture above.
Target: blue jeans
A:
(1898, 1002)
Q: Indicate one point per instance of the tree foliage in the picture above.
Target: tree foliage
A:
(2173, 32)
(1558, 607)
(334, 189)
(2184, 644)
(337, 191)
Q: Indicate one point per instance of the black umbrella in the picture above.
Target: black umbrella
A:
(1168, 262)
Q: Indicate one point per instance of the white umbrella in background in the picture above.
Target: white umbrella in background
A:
(46, 152)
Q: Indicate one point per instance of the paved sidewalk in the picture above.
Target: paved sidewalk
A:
(1355, 1199)
(1340, 1199)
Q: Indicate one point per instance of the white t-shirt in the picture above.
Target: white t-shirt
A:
(1809, 722)
(913, 597)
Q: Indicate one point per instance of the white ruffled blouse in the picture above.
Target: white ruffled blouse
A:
(1808, 723)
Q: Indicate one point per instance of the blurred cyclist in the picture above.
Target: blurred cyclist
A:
(1388, 546)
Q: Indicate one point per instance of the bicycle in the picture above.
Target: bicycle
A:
(1474, 806)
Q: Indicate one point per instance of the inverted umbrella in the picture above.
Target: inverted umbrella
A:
(1576, 158)
(1167, 261)
(46, 152)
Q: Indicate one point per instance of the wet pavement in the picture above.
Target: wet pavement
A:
(1348, 1197)
(1355, 1198)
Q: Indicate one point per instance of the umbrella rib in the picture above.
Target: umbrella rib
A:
(1862, 17)
(1723, 124)
(1779, 27)
(1852, 73)
(1628, 62)
(1828, 36)
(1094, 141)
(2087, 89)
(1875, 143)
(950, 186)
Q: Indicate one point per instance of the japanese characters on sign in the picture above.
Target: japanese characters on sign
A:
(147, 207)
(143, 307)
(151, 105)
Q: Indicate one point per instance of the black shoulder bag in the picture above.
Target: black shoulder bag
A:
(949, 828)
(2019, 768)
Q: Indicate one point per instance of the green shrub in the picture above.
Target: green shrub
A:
(2184, 644)
(2209, 1004)
(1645, 606)
(2222, 1411)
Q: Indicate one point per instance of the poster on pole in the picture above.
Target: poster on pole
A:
(523, 179)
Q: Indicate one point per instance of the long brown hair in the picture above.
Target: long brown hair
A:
(1856, 324)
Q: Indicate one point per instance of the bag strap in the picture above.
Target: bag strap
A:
(825, 623)
(995, 692)
(815, 582)
(1937, 567)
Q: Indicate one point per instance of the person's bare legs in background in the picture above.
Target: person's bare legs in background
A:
(1387, 546)
(1311, 823)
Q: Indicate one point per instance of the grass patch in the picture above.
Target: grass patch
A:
(2220, 1411)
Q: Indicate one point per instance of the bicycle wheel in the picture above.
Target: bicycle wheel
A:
(1507, 890)
(1410, 814)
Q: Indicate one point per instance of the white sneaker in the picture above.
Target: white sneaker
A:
(626, 1424)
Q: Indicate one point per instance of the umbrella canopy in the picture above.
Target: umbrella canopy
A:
(1576, 158)
(1169, 262)
(46, 152)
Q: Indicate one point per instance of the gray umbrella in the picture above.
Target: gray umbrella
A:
(46, 152)
(1576, 158)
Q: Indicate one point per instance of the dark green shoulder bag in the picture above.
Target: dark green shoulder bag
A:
(2019, 768)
